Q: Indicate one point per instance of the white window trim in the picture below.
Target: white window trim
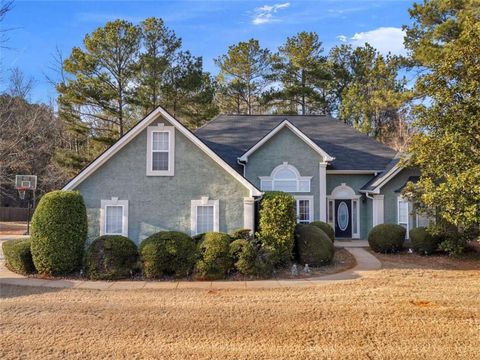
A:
(417, 219)
(204, 201)
(103, 212)
(310, 199)
(298, 178)
(399, 200)
(344, 192)
(160, 127)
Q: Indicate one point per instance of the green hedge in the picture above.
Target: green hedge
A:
(59, 231)
(214, 257)
(423, 242)
(243, 256)
(110, 257)
(244, 234)
(249, 258)
(277, 224)
(326, 228)
(313, 246)
(168, 253)
(386, 238)
(18, 257)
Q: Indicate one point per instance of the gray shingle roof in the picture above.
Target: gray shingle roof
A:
(369, 185)
(232, 135)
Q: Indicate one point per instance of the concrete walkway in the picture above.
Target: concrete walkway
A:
(365, 262)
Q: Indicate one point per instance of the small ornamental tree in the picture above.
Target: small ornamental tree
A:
(277, 224)
(59, 231)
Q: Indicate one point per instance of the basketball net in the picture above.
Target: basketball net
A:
(22, 191)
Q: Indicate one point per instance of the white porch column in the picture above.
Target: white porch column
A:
(249, 213)
(377, 209)
(323, 191)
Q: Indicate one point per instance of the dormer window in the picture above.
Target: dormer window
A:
(160, 150)
(285, 178)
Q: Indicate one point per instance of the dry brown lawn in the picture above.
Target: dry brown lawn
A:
(389, 314)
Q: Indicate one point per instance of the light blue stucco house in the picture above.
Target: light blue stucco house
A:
(162, 176)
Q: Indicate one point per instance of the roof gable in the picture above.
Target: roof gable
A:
(231, 136)
(136, 130)
(296, 131)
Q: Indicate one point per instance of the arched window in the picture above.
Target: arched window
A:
(286, 178)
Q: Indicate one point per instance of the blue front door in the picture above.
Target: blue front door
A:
(343, 221)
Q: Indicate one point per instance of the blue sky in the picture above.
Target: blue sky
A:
(206, 27)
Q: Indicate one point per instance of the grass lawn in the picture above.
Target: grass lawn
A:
(394, 313)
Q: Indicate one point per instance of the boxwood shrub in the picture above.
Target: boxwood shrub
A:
(423, 242)
(59, 231)
(249, 258)
(326, 228)
(386, 238)
(243, 256)
(170, 253)
(111, 257)
(313, 246)
(214, 256)
(245, 234)
(18, 257)
(277, 224)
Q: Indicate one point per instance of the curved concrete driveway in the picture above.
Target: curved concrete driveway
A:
(365, 262)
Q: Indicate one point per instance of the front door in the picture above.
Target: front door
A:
(343, 223)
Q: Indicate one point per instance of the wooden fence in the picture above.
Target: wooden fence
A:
(14, 214)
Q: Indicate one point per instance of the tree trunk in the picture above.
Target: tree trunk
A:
(303, 92)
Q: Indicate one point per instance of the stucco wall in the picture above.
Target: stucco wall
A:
(391, 197)
(162, 203)
(285, 146)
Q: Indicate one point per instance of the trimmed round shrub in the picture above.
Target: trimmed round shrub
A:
(243, 256)
(326, 228)
(18, 257)
(245, 234)
(214, 255)
(277, 225)
(423, 242)
(386, 238)
(110, 257)
(313, 246)
(59, 231)
(249, 258)
(170, 253)
(197, 239)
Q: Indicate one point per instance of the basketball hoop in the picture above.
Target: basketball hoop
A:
(22, 190)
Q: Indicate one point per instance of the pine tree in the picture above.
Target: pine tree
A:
(444, 40)
(243, 77)
(302, 71)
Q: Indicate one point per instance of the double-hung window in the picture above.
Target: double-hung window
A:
(114, 217)
(304, 209)
(204, 215)
(160, 150)
(403, 213)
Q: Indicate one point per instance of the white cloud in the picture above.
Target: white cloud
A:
(342, 38)
(265, 14)
(384, 39)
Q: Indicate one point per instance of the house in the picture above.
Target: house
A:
(162, 176)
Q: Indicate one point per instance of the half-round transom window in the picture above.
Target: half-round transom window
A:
(285, 178)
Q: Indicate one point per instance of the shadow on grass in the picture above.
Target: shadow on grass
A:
(8, 291)
(469, 261)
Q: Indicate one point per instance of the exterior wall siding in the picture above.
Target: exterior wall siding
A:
(162, 203)
(391, 196)
(285, 146)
